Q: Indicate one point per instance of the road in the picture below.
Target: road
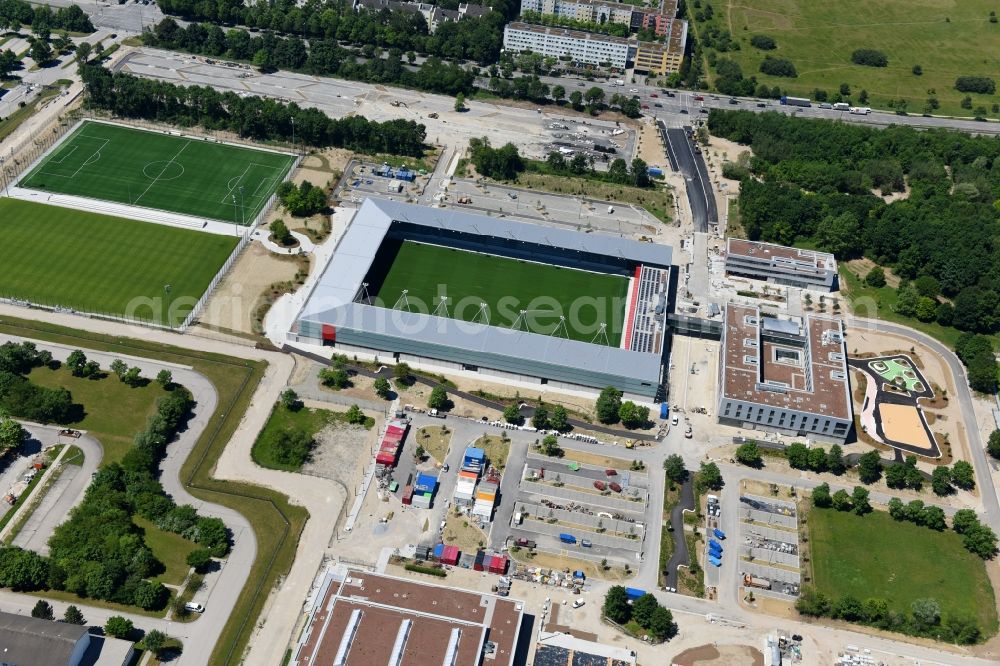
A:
(692, 167)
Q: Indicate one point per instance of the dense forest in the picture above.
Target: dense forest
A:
(42, 17)
(324, 57)
(252, 117)
(473, 38)
(99, 551)
(818, 182)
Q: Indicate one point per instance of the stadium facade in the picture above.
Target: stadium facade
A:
(340, 313)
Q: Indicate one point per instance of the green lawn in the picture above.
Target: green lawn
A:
(169, 548)
(947, 39)
(112, 412)
(156, 170)
(307, 419)
(57, 256)
(506, 286)
(876, 556)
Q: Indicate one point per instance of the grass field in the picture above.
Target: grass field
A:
(946, 38)
(876, 556)
(52, 255)
(155, 170)
(307, 419)
(507, 286)
(169, 548)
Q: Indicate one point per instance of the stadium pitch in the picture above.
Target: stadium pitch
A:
(154, 170)
(95, 263)
(505, 285)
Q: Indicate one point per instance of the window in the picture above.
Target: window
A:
(837, 374)
(750, 360)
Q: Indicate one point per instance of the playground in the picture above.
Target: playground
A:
(891, 412)
(899, 373)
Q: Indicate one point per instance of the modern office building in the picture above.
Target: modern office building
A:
(358, 617)
(786, 375)
(777, 264)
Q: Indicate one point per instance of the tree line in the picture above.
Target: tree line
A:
(472, 38)
(256, 118)
(818, 182)
(41, 18)
(25, 399)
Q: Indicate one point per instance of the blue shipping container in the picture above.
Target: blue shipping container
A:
(634, 593)
(715, 548)
(664, 411)
(439, 550)
(567, 538)
(714, 544)
(715, 561)
(654, 171)
(719, 533)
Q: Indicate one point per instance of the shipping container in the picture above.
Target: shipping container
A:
(499, 565)
(438, 551)
(450, 555)
(719, 533)
(467, 560)
(611, 472)
(407, 494)
(567, 538)
(714, 561)
(479, 564)
(600, 485)
(714, 544)
(654, 171)
(634, 593)
(664, 411)
(615, 487)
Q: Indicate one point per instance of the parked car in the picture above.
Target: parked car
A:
(193, 607)
(645, 106)
(658, 105)
(634, 90)
(653, 95)
(578, 603)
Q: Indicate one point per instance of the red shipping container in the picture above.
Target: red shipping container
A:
(407, 494)
(599, 485)
(615, 487)
(479, 564)
(451, 555)
(499, 564)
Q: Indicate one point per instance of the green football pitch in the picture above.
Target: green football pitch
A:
(57, 256)
(507, 286)
(155, 170)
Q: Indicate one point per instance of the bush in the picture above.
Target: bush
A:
(763, 42)
(778, 67)
(983, 85)
(608, 405)
(876, 277)
(118, 626)
(431, 571)
(869, 58)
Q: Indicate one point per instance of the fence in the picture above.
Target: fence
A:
(133, 320)
(245, 239)
(39, 148)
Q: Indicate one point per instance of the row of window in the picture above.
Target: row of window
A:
(785, 419)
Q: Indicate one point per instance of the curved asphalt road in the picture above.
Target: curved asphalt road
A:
(222, 589)
(680, 555)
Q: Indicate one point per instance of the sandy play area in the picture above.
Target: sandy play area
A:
(902, 423)
(725, 655)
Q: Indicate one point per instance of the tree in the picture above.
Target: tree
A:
(895, 476)
(981, 540)
(993, 444)
(165, 379)
(863, 96)
(962, 475)
(118, 627)
(640, 173)
(869, 467)
(859, 501)
(609, 403)
(290, 400)
(511, 414)
(848, 608)
(643, 609)
(632, 415)
(941, 480)
(40, 52)
(459, 102)
(149, 595)
(710, 477)
(841, 500)
(616, 607)
(876, 277)
(874, 610)
(76, 361)
(382, 388)
(558, 419)
(835, 460)
(869, 58)
(43, 610)
(334, 378)
(292, 447)
(354, 415)
(74, 616)
(154, 641)
(926, 613)
(576, 99)
(933, 517)
(419, 452)
(673, 465)
(897, 509)
(540, 419)
(279, 230)
(798, 455)
(821, 496)
(661, 624)
(749, 454)
(11, 434)
(438, 398)
(199, 559)
(119, 367)
(963, 520)
(550, 446)
(403, 374)
(817, 459)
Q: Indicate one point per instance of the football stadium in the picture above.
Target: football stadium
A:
(495, 296)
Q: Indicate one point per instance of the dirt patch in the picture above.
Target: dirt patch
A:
(650, 146)
(901, 423)
(435, 441)
(232, 305)
(459, 531)
(497, 449)
(861, 267)
(568, 564)
(725, 655)
(596, 459)
(340, 453)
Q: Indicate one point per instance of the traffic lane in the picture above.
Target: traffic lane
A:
(681, 147)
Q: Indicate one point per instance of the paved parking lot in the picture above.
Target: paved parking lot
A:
(769, 536)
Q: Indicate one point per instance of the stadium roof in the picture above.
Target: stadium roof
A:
(333, 299)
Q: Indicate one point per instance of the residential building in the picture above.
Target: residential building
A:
(359, 617)
(433, 14)
(777, 264)
(663, 58)
(786, 375)
(583, 47)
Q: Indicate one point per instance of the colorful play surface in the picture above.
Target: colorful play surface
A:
(899, 373)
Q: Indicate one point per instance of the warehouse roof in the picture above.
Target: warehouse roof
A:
(27, 640)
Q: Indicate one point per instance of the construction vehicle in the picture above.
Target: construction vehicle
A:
(432, 115)
(753, 581)
(465, 200)
(396, 102)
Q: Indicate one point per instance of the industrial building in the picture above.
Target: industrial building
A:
(777, 264)
(337, 312)
(36, 642)
(358, 617)
(786, 375)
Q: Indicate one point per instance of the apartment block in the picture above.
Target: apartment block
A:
(586, 47)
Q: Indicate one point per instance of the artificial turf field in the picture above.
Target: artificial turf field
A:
(507, 286)
(877, 556)
(155, 170)
(96, 263)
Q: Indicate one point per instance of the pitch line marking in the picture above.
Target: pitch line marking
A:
(162, 171)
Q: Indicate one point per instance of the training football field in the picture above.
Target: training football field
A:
(96, 263)
(154, 170)
(507, 286)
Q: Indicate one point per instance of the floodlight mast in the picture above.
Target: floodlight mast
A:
(404, 300)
